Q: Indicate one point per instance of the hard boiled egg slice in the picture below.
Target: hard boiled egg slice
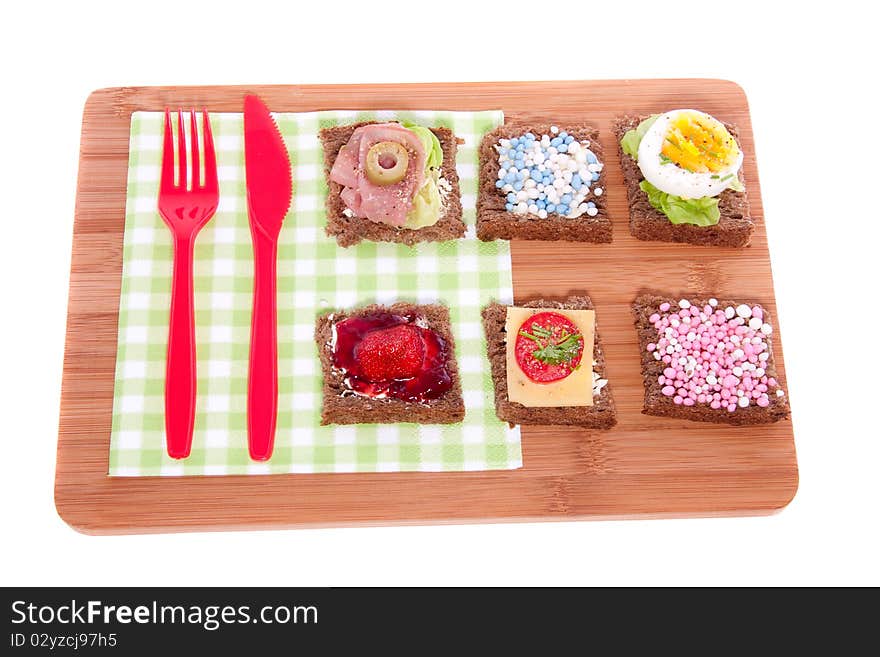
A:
(689, 154)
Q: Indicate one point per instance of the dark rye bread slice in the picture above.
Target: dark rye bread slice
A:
(601, 415)
(734, 227)
(656, 403)
(495, 222)
(342, 407)
(351, 230)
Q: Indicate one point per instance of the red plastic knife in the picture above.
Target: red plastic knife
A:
(269, 191)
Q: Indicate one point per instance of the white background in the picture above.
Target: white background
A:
(811, 79)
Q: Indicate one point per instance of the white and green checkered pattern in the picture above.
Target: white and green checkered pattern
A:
(313, 274)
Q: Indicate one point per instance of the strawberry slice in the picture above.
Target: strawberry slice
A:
(394, 353)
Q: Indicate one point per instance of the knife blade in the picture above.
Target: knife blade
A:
(269, 192)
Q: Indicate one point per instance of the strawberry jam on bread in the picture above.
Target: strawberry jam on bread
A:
(388, 355)
(384, 364)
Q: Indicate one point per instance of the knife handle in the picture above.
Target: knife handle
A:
(263, 366)
(180, 357)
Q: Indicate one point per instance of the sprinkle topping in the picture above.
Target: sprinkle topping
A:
(713, 355)
(547, 175)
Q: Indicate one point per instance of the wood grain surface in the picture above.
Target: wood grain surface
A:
(645, 467)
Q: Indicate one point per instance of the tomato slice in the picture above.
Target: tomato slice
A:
(548, 347)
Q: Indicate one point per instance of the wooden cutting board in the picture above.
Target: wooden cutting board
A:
(644, 467)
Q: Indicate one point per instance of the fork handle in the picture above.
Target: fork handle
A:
(263, 365)
(180, 363)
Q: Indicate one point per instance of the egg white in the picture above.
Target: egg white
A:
(671, 179)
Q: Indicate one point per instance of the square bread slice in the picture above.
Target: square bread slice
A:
(351, 230)
(341, 406)
(495, 222)
(601, 415)
(660, 404)
(734, 227)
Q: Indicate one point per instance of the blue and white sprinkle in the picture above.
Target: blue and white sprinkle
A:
(550, 174)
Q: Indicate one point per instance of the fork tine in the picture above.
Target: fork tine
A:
(181, 152)
(194, 150)
(168, 155)
(210, 159)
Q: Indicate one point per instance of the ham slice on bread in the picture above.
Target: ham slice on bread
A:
(349, 229)
(387, 204)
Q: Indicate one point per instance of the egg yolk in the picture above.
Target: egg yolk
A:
(699, 144)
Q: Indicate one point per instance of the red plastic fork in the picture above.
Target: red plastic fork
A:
(185, 208)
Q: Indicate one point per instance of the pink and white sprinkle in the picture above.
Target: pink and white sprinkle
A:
(712, 355)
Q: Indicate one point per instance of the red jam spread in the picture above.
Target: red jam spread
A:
(387, 355)
(548, 347)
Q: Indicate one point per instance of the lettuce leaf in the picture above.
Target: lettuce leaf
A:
(426, 205)
(697, 211)
(632, 138)
(433, 149)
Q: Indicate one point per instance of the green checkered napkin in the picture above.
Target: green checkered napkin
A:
(313, 274)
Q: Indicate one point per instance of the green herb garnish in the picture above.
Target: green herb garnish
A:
(734, 184)
(539, 331)
(553, 353)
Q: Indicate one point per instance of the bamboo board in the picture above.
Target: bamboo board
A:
(644, 467)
